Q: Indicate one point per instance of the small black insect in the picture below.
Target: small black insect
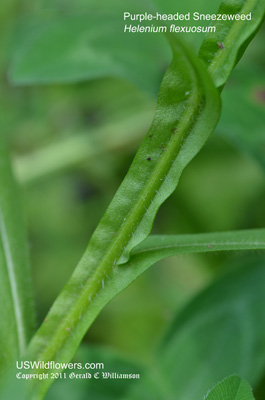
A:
(149, 158)
(221, 45)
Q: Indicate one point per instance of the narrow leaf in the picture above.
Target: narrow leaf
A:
(231, 388)
(187, 112)
(222, 49)
(17, 311)
(160, 246)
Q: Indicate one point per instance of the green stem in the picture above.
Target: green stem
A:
(187, 98)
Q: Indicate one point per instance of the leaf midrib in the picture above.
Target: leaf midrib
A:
(231, 38)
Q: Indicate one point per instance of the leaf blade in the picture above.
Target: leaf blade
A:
(74, 48)
(17, 307)
(231, 388)
(186, 100)
(222, 49)
(252, 239)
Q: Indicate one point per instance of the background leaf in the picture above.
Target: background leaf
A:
(231, 388)
(17, 310)
(242, 120)
(87, 45)
(221, 332)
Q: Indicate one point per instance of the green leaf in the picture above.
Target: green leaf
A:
(243, 112)
(222, 49)
(87, 45)
(17, 311)
(187, 112)
(156, 247)
(231, 388)
(219, 333)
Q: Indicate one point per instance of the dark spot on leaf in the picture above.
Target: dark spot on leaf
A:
(148, 158)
